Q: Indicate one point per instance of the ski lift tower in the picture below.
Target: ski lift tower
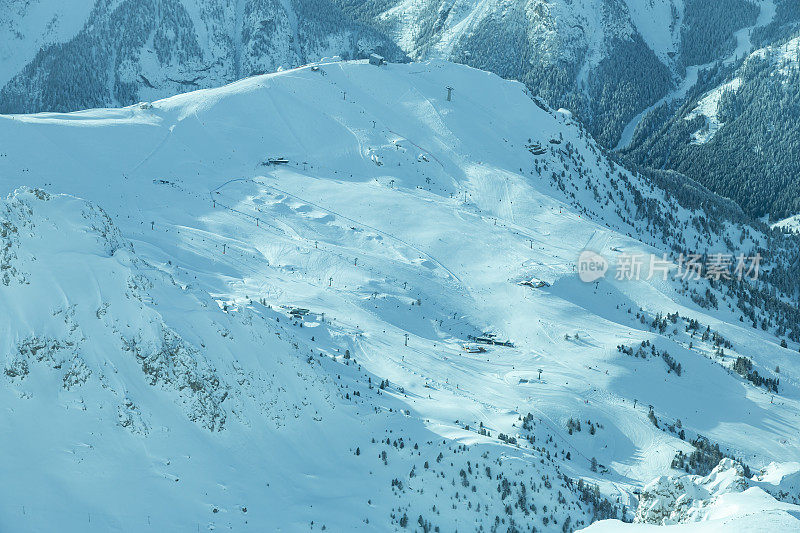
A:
(449, 92)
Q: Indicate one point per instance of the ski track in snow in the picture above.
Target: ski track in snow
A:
(449, 272)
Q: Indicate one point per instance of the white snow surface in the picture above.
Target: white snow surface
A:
(155, 378)
(791, 223)
(650, 19)
(708, 108)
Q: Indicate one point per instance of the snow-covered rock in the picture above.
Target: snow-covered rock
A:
(782, 480)
(724, 500)
(674, 500)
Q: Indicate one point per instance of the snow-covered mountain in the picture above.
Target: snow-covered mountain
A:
(55, 57)
(27, 27)
(334, 297)
(606, 60)
(568, 30)
(735, 130)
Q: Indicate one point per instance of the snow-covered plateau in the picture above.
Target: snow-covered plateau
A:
(336, 298)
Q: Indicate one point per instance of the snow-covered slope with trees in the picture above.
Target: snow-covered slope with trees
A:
(256, 307)
(606, 60)
(117, 52)
(26, 27)
(735, 128)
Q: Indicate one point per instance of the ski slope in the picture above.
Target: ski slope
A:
(157, 378)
